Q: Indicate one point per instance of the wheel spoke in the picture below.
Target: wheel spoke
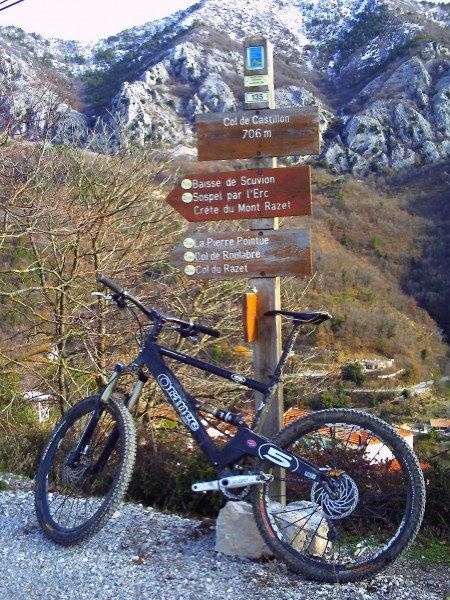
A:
(75, 495)
(363, 513)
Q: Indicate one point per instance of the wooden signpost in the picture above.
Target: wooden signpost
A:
(258, 133)
(250, 194)
(261, 132)
(244, 254)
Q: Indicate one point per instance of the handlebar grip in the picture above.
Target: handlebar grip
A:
(115, 287)
(119, 289)
(207, 330)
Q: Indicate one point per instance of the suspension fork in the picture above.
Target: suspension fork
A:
(134, 397)
(85, 439)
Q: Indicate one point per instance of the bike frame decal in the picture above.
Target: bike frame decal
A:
(183, 410)
(184, 404)
(275, 455)
(247, 441)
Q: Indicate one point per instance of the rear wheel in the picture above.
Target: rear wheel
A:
(361, 522)
(77, 492)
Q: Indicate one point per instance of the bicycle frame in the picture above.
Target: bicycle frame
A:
(342, 519)
(246, 441)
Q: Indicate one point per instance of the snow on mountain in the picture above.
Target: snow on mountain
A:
(379, 70)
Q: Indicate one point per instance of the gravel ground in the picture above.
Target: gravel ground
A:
(144, 554)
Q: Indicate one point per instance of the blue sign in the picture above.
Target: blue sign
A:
(255, 58)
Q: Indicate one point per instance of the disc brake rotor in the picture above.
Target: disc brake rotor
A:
(339, 503)
(72, 475)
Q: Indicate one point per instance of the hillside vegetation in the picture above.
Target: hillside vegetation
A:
(368, 242)
(68, 214)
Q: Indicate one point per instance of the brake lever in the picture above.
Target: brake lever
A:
(119, 299)
(102, 295)
(188, 334)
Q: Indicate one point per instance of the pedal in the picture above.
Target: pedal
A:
(234, 481)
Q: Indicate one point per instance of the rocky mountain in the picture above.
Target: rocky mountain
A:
(378, 69)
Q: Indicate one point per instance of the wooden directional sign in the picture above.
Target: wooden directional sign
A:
(230, 255)
(258, 133)
(250, 194)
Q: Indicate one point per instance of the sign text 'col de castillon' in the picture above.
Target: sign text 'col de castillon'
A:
(258, 133)
(249, 194)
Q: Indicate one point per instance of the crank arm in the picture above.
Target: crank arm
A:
(234, 481)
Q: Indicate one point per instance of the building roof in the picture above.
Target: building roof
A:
(357, 436)
(440, 422)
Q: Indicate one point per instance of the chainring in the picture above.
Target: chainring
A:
(234, 494)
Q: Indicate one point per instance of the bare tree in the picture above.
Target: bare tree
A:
(69, 213)
(76, 213)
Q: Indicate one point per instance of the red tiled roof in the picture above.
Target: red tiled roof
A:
(356, 437)
(395, 465)
(440, 422)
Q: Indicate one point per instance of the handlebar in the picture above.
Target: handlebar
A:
(186, 328)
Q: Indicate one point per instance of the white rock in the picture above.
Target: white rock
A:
(237, 533)
(305, 526)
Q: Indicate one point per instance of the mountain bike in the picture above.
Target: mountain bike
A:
(337, 495)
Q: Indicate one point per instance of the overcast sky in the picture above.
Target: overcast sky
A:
(86, 20)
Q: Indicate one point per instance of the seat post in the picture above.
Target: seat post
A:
(286, 351)
(275, 378)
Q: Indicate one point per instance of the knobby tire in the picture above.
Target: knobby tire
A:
(366, 524)
(74, 501)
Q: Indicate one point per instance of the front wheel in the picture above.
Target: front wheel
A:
(78, 487)
(365, 514)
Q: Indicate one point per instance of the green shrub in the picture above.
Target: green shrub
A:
(164, 474)
(20, 451)
(354, 372)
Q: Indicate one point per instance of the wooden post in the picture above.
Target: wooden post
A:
(267, 349)
(259, 94)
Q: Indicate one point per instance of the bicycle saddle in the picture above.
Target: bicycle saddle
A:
(301, 317)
